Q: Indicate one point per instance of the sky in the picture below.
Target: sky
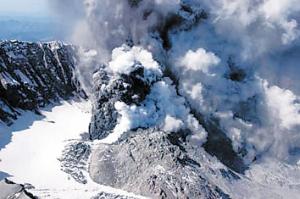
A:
(29, 20)
(24, 7)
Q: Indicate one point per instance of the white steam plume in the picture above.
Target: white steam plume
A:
(241, 65)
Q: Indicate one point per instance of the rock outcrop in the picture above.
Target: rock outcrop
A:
(155, 164)
(151, 158)
(162, 147)
(128, 88)
(9, 189)
(35, 74)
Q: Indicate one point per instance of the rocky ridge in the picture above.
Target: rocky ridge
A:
(149, 160)
(35, 74)
(157, 165)
(10, 189)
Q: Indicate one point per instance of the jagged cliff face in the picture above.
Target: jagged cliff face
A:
(34, 75)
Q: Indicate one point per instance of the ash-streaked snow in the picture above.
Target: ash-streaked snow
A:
(36, 145)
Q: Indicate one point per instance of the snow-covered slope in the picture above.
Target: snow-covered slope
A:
(10, 189)
(33, 75)
(36, 149)
(34, 154)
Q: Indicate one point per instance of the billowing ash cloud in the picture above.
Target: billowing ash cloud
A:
(265, 34)
(258, 26)
(107, 24)
(235, 61)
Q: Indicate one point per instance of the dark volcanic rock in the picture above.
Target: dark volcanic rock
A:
(34, 74)
(74, 160)
(131, 89)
